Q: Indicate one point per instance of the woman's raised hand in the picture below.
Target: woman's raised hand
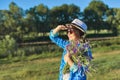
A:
(61, 27)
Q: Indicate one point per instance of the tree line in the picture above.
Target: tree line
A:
(17, 22)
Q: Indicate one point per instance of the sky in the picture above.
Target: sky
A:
(26, 4)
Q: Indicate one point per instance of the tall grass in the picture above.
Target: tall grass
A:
(45, 65)
(107, 65)
(107, 68)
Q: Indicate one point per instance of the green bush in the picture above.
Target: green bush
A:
(7, 46)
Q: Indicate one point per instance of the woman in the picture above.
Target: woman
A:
(76, 30)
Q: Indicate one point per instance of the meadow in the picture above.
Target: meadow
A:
(45, 66)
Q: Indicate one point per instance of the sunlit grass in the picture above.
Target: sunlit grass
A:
(30, 70)
(107, 66)
(45, 66)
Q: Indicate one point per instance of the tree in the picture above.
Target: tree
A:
(95, 14)
(13, 22)
(63, 14)
(113, 18)
(2, 28)
(29, 20)
(38, 16)
(42, 20)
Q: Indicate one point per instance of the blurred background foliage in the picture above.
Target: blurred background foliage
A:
(38, 20)
(19, 26)
(33, 25)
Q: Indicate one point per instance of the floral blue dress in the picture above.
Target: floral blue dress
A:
(78, 75)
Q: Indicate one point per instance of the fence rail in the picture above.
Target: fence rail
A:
(49, 42)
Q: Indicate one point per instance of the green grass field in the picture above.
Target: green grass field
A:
(37, 67)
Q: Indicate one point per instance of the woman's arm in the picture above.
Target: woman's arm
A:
(73, 66)
(54, 36)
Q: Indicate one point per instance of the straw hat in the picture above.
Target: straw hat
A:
(79, 25)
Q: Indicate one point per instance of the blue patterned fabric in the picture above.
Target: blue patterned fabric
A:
(79, 74)
(74, 68)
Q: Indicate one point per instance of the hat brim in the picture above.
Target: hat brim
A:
(78, 27)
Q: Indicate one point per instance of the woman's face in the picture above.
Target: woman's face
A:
(73, 34)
